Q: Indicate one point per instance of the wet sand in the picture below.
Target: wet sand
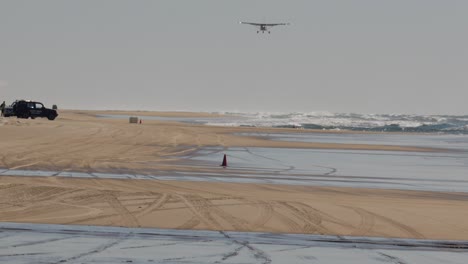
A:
(96, 244)
(77, 141)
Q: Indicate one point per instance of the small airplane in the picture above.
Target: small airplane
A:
(263, 26)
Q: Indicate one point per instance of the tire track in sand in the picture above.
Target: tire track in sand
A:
(200, 211)
(312, 220)
(157, 203)
(400, 226)
(191, 223)
(96, 250)
(366, 224)
(265, 210)
(206, 211)
(127, 217)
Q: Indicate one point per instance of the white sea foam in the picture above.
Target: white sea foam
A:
(327, 120)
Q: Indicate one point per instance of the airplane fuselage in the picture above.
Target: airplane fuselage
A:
(264, 27)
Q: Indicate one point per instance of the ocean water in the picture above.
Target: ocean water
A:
(349, 121)
(444, 124)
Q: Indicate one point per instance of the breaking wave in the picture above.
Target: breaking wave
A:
(351, 121)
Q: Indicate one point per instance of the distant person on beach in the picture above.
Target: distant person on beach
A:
(2, 107)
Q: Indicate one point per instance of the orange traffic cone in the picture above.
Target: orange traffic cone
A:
(224, 161)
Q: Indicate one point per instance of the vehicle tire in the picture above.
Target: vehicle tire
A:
(51, 117)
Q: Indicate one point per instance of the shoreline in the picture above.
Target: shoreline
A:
(181, 114)
(94, 114)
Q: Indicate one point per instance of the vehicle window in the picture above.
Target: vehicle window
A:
(39, 105)
(30, 105)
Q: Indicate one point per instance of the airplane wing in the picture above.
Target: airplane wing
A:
(276, 24)
(265, 24)
(253, 24)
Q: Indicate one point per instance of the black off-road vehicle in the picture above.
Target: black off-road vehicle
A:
(29, 109)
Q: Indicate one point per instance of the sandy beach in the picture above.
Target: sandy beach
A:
(78, 141)
(234, 207)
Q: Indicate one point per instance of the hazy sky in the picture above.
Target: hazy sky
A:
(365, 56)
